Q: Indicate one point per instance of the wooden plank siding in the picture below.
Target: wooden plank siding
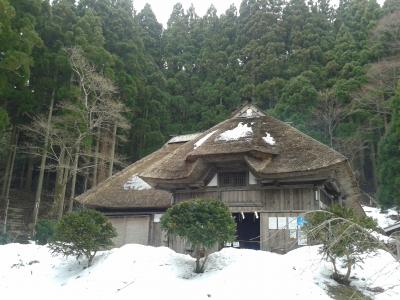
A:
(267, 200)
(277, 240)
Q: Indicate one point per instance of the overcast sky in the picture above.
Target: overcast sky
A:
(163, 8)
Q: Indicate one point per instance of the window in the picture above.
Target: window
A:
(233, 179)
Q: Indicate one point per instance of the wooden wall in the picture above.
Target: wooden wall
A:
(131, 229)
(268, 199)
(277, 239)
(277, 202)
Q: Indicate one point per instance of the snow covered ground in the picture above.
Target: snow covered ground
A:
(384, 219)
(144, 272)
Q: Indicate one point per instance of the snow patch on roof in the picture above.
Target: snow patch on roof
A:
(203, 139)
(184, 138)
(136, 183)
(240, 131)
(269, 139)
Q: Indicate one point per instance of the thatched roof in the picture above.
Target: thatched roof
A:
(126, 190)
(268, 146)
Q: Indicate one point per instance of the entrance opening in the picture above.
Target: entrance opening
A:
(248, 230)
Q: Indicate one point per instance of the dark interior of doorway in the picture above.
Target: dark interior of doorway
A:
(248, 230)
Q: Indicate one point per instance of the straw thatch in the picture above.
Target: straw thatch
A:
(113, 192)
(289, 152)
(273, 150)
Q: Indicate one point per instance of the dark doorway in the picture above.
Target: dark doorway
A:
(248, 230)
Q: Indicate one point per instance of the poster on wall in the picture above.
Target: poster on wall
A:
(292, 222)
(282, 223)
(301, 238)
(272, 223)
(292, 233)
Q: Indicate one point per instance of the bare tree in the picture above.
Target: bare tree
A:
(374, 95)
(387, 32)
(328, 113)
(75, 123)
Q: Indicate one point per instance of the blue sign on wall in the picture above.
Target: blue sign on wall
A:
(300, 221)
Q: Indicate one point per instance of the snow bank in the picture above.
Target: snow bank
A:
(144, 272)
(136, 183)
(240, 131)
(384, 219)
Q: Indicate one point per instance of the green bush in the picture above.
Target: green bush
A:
(5, 238)
(82, 233)
(203, 223)
(343, 235)
(44, 231)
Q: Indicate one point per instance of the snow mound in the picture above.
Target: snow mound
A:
(136, 183)
(384, 219)
(144, 272)
(240, 131)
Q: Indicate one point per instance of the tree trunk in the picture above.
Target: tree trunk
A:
(43, 163)
(22, 176)
(96, 157)
(374, 167)
(64, 187)
(362, 165)
(58, 187)
(28, 179)
(85, 180)
(9, 179)
(73, 183)
(112, 152)
(8, 165)
(349, 265)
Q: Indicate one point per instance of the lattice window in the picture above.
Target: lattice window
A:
(233, 179)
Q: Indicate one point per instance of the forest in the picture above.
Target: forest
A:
(89, 86)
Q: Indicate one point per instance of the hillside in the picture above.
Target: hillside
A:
(329, 68)
(143, 272)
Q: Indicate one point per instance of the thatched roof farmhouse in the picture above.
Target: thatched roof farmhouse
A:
(266, 171)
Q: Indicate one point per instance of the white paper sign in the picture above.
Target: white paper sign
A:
(157, 218)
(301, 238)
(282, 223)
(293, 234)
(292, 222)
(272, 223)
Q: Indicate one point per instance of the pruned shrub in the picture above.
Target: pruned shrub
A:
(344, 235)
(44, 231)
(5, 238)
(82, 233)
(203, 223)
